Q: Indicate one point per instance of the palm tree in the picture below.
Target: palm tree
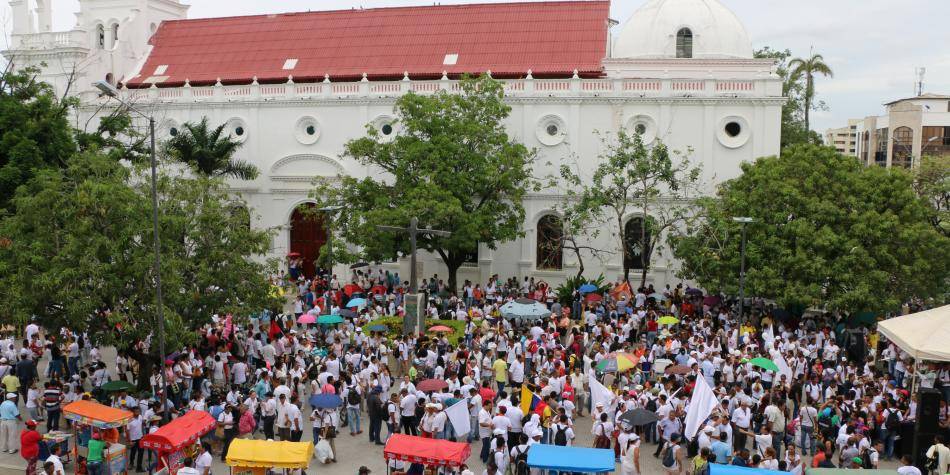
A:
(809, 68)
(209, 152)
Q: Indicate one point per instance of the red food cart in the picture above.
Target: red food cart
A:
(176, 440)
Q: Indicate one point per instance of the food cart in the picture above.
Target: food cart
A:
(570, 459)
(720, 469)
(176, 440)
(255, 457)
(427, 452)
(89, 416)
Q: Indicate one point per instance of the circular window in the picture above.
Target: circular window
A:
(387, 129)
(551, 130)
(173, 132)
(307, 130)
(733, 129)
(238, 129)
(644, 126)
(733, 132)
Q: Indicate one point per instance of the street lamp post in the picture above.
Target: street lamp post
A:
(329, 210)
(111, 91)
(744, 221)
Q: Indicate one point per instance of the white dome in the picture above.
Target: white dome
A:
(651, 31)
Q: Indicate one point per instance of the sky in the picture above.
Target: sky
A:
(873, 46)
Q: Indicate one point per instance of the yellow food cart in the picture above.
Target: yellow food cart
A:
(256, 457)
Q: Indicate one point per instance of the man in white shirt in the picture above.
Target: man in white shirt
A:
(56, 461)
(485, 429)
(407, 406)
(501, 421)
(204, 460)
(134, 432)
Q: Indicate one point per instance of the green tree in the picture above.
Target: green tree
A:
(632, 177)
(932, 184)
(807, 69)
(450, 163)
(828, 232)
(793, 123)
(34, 130)
(209, 152)
(79, 254)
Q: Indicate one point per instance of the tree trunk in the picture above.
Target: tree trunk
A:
(145, 363)
(453, 264)
(808, 96)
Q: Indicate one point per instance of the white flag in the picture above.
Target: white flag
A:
(600, 394)
(458, 416)
(783, 367)
(701, 405)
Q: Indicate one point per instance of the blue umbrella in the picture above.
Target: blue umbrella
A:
(526, 311)
(587, 288)
(378, 328)
(357, 302)
(325, 401)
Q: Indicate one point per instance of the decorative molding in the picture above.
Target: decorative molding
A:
(304, 157)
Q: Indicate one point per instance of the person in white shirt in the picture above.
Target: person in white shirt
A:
(204, 460)
(56, 461)
(134, 432)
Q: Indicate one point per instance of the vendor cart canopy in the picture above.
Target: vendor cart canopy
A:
(269, 454)
(570, 459)
(97, 415)
(180, 432)
(414, 449)
(923, 335)
(720, 469)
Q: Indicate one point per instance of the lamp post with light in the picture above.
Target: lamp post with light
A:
(744, 221)
(110, 91)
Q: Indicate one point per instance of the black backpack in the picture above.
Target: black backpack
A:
(560, 436)
(669, 456)
(866, 459)
(892, 422)
(651, 404)
(353, 397)
(521, 462)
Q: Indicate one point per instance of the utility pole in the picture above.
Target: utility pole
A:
(413, 297)
(744, 221)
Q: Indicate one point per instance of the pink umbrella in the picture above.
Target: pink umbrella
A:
(307, 318)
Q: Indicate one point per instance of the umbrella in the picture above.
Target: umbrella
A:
(657, 296)
(587, 288)
(667, 320)
(307, 318)
(711, 300)
(593, 298)
(677, 369)
(325, 401)
(441, 328)
(346, 313)
(293, 254)
(863, 318)
(357, 302)
(432, 385)
(764, 363)
(781, 314)
(525, 301)
(694, 291)
(329, 319)
(529, 311)
(349, 289)
(116, 386)
(639, 417)
(359, 264)
(617, 362)
(378, 289)
(378, 328)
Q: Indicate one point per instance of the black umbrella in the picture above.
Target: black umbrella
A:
(359, 264)
(781, 314)
(346, 313)
(638, 417)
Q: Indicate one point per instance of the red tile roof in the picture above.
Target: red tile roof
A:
(550, 38)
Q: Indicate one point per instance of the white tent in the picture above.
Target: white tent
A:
(923, 335)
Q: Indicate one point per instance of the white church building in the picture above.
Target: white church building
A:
(295, 87)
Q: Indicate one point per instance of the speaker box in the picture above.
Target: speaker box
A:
(928, 418)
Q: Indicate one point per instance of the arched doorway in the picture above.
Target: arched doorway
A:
(307, 235)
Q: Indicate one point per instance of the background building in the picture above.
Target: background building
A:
(909, 129)
(295, 87)
(844, 140)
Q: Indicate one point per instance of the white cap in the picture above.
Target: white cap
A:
(11, 395)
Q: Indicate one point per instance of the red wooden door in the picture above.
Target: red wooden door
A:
(307, 236)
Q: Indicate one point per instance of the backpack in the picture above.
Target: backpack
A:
(353, 397)
(560, 436)
(521, 462)
(669, 456)
(891, 422)
(931, 462)
(651, 405)
(866, 459)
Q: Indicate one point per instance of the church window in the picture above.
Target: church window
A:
(115, 34)
(550, 242)
(173, 131)
(684, 43)
(733, 129)
(640, 129)
(239, 131)
(634, 245)
(311, 130)
(100, 36)
(387, 129)
(552, 130)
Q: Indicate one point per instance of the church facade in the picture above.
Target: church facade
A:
(295, 87)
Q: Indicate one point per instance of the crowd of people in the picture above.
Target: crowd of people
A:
(839, 398)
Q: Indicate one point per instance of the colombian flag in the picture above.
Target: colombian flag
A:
(529, 400)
